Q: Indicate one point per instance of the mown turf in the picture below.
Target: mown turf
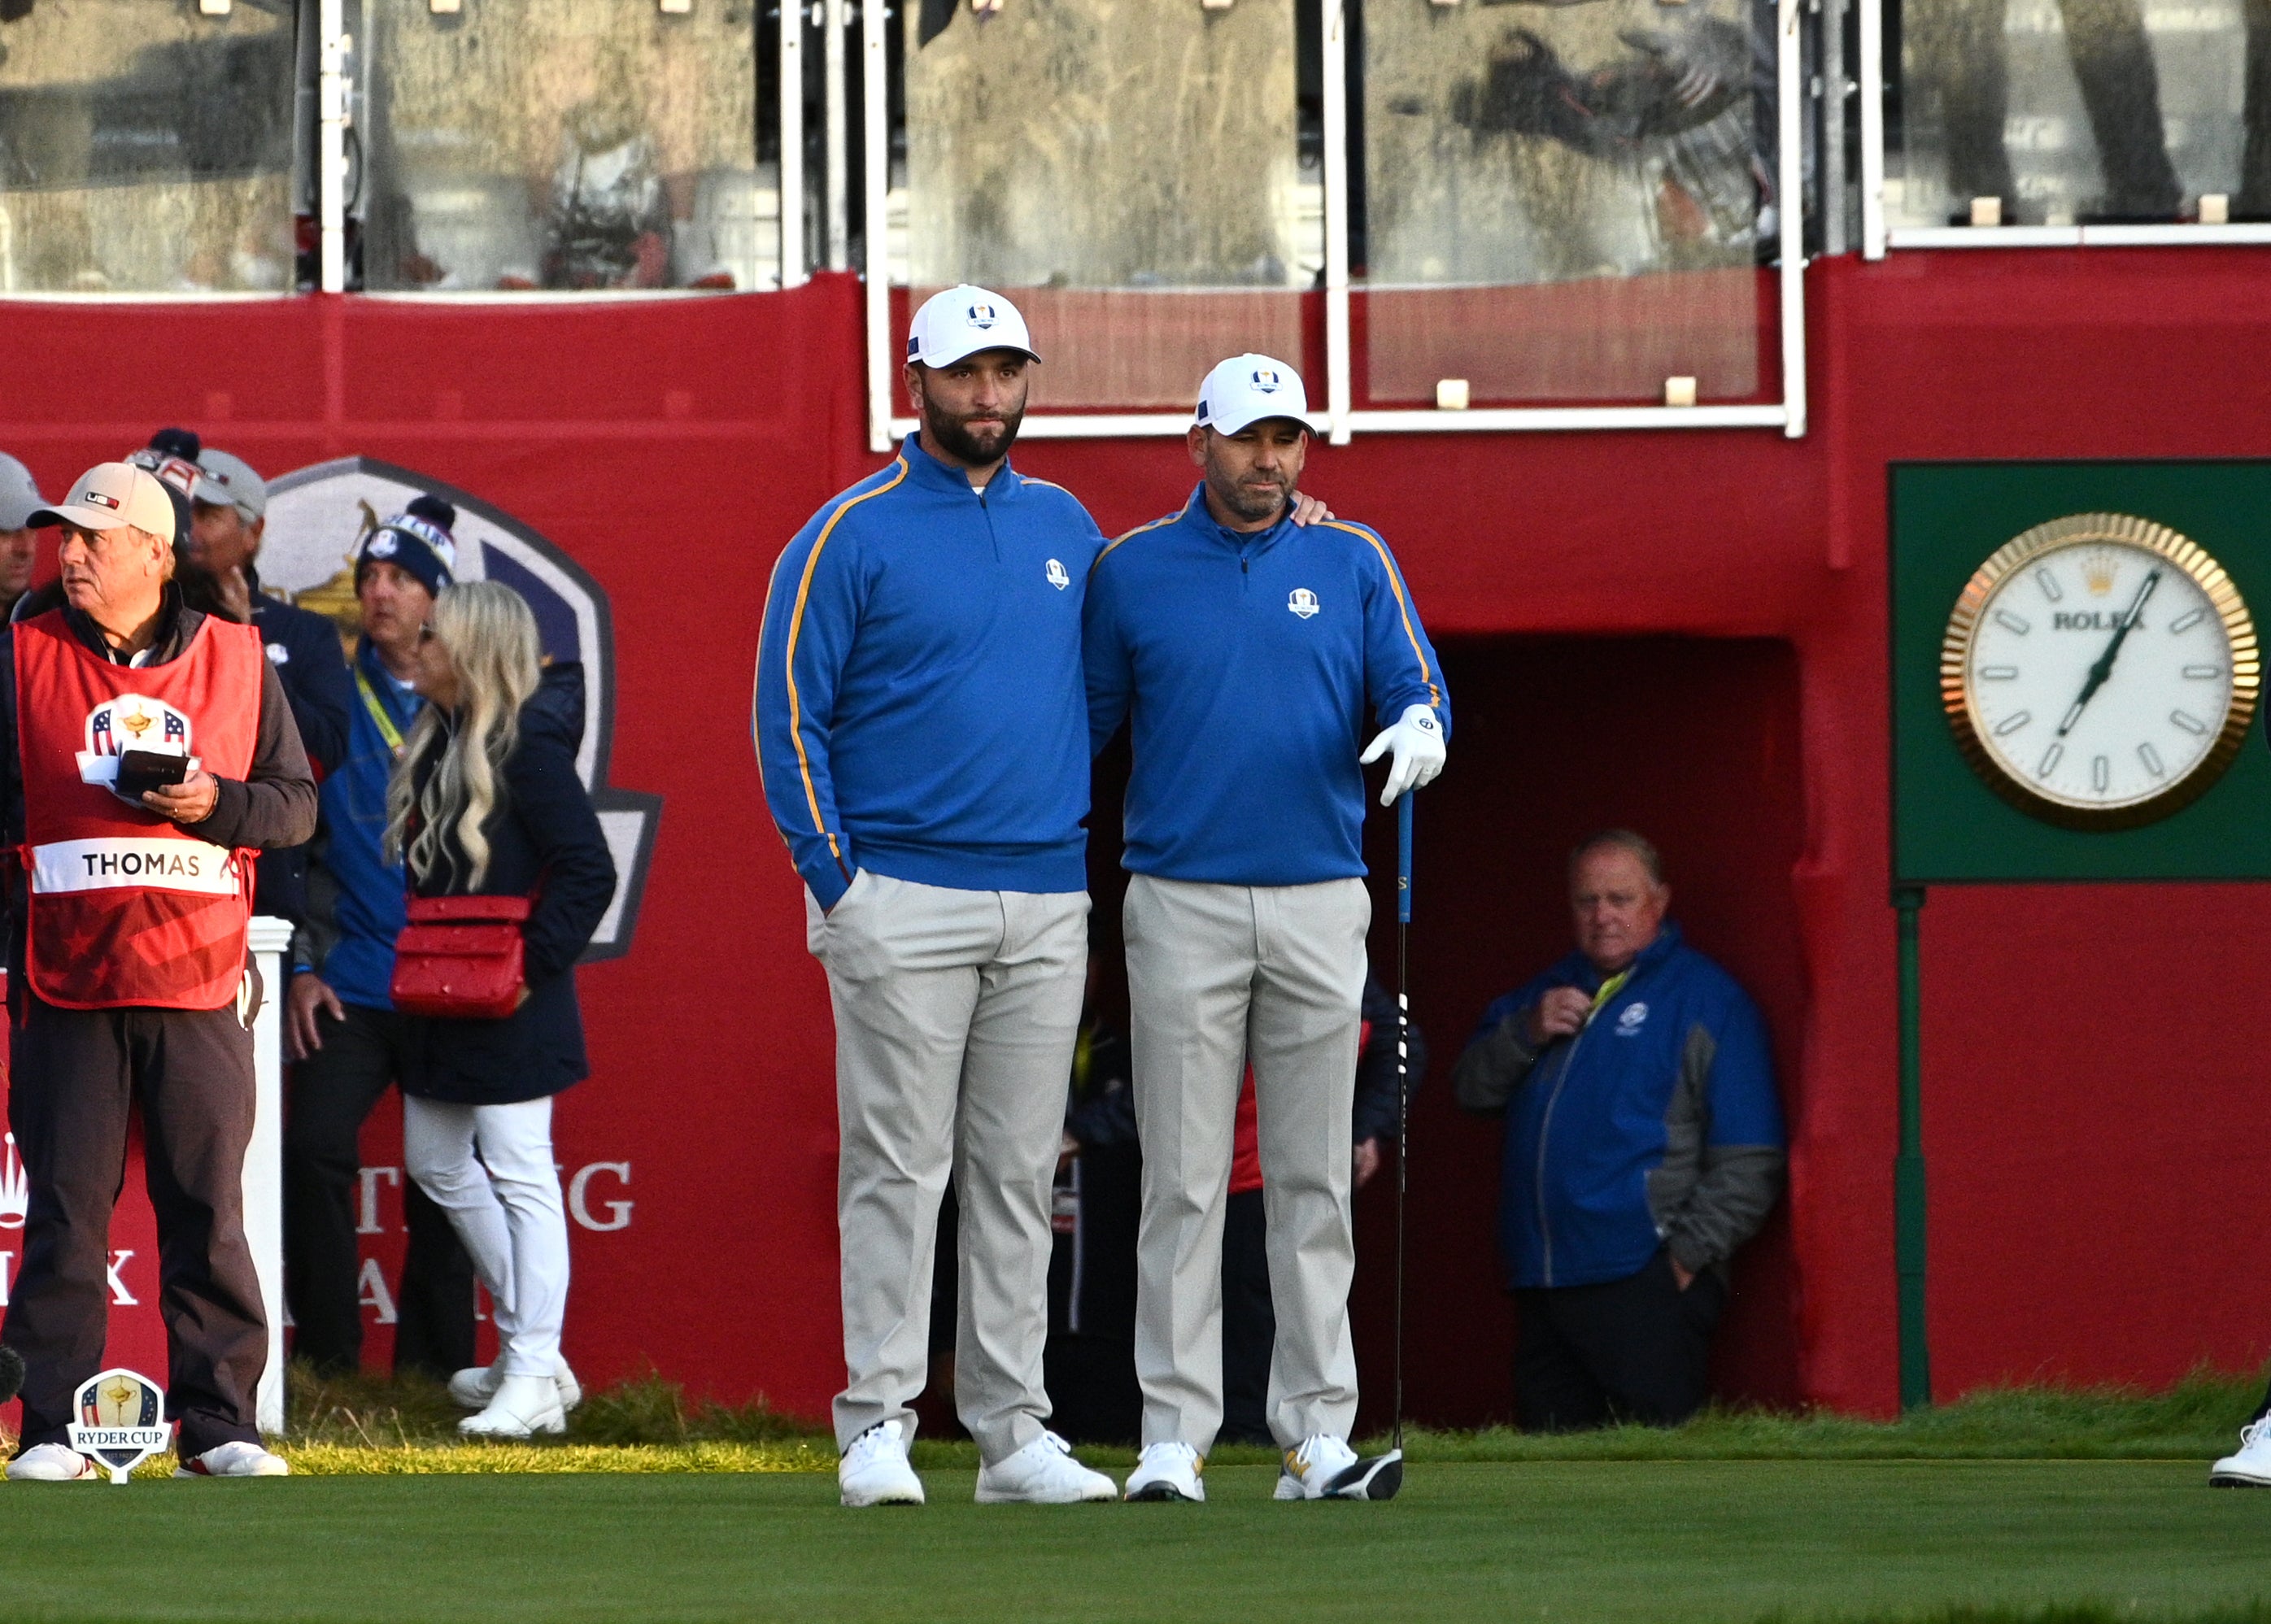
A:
(1695, 1542)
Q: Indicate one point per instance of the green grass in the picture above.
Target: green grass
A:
(1598, 1542)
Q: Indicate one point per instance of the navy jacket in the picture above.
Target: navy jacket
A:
(1655, 1126)
(304, 649)
(1250, 665)
(917, 708)
(545, 831)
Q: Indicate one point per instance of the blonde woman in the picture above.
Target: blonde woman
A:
(485, 800)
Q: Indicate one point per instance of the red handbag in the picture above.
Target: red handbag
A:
(461, 957)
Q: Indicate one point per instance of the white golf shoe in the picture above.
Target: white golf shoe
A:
(474, 1386)
(1043, 1473)
(521, 1405)
(874, 1471)
(2248, 1467)
(1313, 1468)
(234, 1459)
(52, 1463)
(1171, 1471)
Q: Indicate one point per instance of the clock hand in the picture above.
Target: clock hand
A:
(2103, 669)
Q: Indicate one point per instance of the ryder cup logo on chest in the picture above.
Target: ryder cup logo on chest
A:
(131, 722)
(1056, 575)
(1632, 1020)
(121, 1422)
(1302, 602)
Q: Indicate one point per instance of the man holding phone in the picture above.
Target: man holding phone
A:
(146, 753)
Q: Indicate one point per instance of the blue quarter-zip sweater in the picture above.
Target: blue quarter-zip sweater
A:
(1656, 1125)
(917, 708)
(1249, 662)
(369, 911)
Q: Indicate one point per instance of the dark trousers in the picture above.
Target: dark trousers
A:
(330, 1094)
(1630, 1350)
(1250, 1323)
(74, 1076)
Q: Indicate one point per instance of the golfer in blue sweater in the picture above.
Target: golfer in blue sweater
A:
(1250, 657)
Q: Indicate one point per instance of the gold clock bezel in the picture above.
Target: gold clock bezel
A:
(2082, 529)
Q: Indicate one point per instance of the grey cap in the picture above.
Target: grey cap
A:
(230, 479)
(19, 498)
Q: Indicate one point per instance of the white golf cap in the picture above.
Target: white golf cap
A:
(961, 322)
(1247, 388)
(110, 494)
(229, 480)
(19, 498)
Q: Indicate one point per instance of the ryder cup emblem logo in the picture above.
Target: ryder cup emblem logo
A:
(121, 1422)
(1057, 577)
(1302, 602)
(982, 317)
(131, 722)
(1629, 1023)
(1265, 379)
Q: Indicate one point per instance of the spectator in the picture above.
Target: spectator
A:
(339, 1020)
(161, 1018)
(1249, 1325)
(19, 498)
(485, 800)
(228, 516)
(1643, 1145)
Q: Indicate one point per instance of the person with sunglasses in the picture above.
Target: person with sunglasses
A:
(340, 1024)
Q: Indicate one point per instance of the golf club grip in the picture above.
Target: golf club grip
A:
(1404, 858)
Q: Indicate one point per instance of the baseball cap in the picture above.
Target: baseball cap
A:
(230, 481)
(961, 322)
(111, 495)
(19, 497)
(1246, 389)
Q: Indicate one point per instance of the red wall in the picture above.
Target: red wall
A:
(2086, 1111)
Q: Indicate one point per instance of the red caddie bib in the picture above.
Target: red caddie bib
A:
(127, 907)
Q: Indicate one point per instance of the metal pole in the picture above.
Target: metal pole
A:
(331, 144)
(839, 180)
(1337, 397)
(792, 143)
(1907, 1166)
(1790, 190)
(1870, 18)
(1833, 127)
(877, 156)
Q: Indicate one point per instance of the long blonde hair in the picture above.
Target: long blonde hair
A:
(487, 631)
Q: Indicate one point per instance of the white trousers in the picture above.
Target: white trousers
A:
(506, 1208)
(1219, 975)
(956, 1015)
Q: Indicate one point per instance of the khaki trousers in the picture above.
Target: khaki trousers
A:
(1218, 975)
(956, 1012)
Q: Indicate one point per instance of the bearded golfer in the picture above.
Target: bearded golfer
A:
(920, 731)
(1249, 654)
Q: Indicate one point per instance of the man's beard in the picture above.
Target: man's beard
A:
(1249, 503)
(955, 439)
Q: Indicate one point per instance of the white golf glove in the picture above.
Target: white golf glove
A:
(1417, 740)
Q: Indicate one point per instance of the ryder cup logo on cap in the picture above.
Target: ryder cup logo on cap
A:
(962, 320)
(111, 495)
(121, 1422)
(1247, 388)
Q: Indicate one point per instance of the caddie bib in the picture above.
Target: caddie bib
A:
(127, 907)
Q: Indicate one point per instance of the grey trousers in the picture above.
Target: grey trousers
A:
(1218, 975)
(956, 1012)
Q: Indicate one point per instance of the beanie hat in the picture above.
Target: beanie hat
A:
(416, 540)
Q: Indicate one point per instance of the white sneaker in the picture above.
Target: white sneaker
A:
(2249, 1468)
(874, 1471)
(237, 1459)
(52, 1463)
(1168, 1471)
(522, 1404)
(1314, 1469)
(1043, 1473)
(474, 1386)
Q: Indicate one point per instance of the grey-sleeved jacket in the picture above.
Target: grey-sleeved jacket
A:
(1655, 1126)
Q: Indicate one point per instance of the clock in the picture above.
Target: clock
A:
(2100, 671)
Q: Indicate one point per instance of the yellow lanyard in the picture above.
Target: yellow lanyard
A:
(387, 730)
(1609, 989)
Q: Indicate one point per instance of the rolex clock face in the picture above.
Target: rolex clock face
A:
(2100, 671)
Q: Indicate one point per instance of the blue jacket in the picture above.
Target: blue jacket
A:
(917, 708)
(1656, 1126)
(1249, 663)
(364, 891)
(304, 649)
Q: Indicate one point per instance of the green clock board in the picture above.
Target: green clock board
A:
(2102, 678)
